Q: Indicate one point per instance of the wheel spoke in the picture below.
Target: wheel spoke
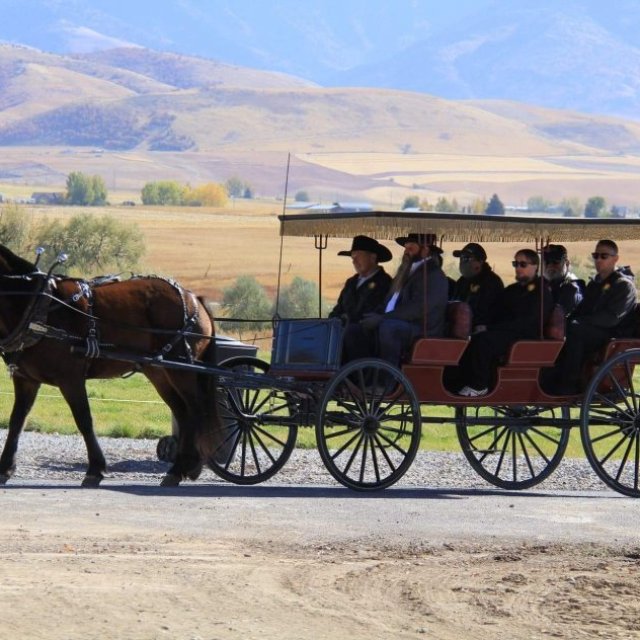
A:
(525, 452)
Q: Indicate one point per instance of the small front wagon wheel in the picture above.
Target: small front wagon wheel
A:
(258, 425)
(368, 425)
(610, 423)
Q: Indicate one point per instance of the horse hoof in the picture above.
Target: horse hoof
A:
(91, 482)
(167, 449)
(170, 481)
(194, 474)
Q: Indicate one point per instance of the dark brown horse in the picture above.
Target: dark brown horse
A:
(57, 331)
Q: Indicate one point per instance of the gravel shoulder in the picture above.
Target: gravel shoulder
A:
(58, 457)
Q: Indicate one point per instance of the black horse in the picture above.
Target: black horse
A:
(46, 320)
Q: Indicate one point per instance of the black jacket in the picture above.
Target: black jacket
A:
(355, 301)
(410, 305)
(567, 292)
(482, 293)
(608, 303)
(519, 309)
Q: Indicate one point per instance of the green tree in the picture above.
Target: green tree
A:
(571, 207)
(538, 203)
(235, 187)
(85, 190)
(299, 300)
(14, 227)
(411, 202)
(495, 206)
(99, 190)
(595, 207)
(444, 206)
(163, 192)
(245, 300)
(93, 244)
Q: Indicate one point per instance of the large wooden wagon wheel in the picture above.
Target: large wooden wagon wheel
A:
(513, 447)
(610, 423)
(368, 425)
(258, 429)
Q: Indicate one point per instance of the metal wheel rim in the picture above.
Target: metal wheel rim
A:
(514, 455)
(610, 424)
(251, 452)
(368, 438)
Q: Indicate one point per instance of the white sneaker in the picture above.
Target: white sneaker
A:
(470, 392)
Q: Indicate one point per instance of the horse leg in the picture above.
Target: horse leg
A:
(25, 392)
(75, 394)
(187, 463)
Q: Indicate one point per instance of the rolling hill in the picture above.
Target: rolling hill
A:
(146, 115)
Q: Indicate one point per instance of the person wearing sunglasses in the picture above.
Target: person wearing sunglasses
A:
(520, 308)
(606, 311)
(566, 288)
(479, 285)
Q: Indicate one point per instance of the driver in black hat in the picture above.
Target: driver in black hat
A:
(362, 294)
(365, 291)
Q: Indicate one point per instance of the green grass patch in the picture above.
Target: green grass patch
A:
(121, 408)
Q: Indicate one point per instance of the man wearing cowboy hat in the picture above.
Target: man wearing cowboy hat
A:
(362, 293)
(365, 291)
(416, 303)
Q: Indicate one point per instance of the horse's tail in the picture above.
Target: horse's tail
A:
(210, 430)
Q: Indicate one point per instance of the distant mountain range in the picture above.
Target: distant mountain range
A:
(571, 55)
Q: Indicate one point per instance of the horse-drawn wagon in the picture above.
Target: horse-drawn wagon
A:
(514, 437)
(367, 414)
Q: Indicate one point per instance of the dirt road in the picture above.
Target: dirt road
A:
(217, 562)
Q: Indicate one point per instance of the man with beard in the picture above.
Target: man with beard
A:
(416, 303)
(362, 293)
(566, 288)
(479, 286)
(519, 319)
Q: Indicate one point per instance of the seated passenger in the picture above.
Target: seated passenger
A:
(416, 303)
(478, 285)
(362, 293)
(566, 288)
(604, 313)
(519, 319)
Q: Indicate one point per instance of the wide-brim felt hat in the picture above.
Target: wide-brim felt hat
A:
(365, 243)
(423, 239)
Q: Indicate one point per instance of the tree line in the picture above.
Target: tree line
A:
(86, 190)
(594, 207)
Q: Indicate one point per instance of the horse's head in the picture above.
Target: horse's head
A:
(11, 264)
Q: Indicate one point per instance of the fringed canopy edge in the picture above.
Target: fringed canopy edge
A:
(459, 227)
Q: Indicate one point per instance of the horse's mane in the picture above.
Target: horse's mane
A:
(15, 264)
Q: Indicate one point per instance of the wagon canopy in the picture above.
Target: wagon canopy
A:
(458, 227)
